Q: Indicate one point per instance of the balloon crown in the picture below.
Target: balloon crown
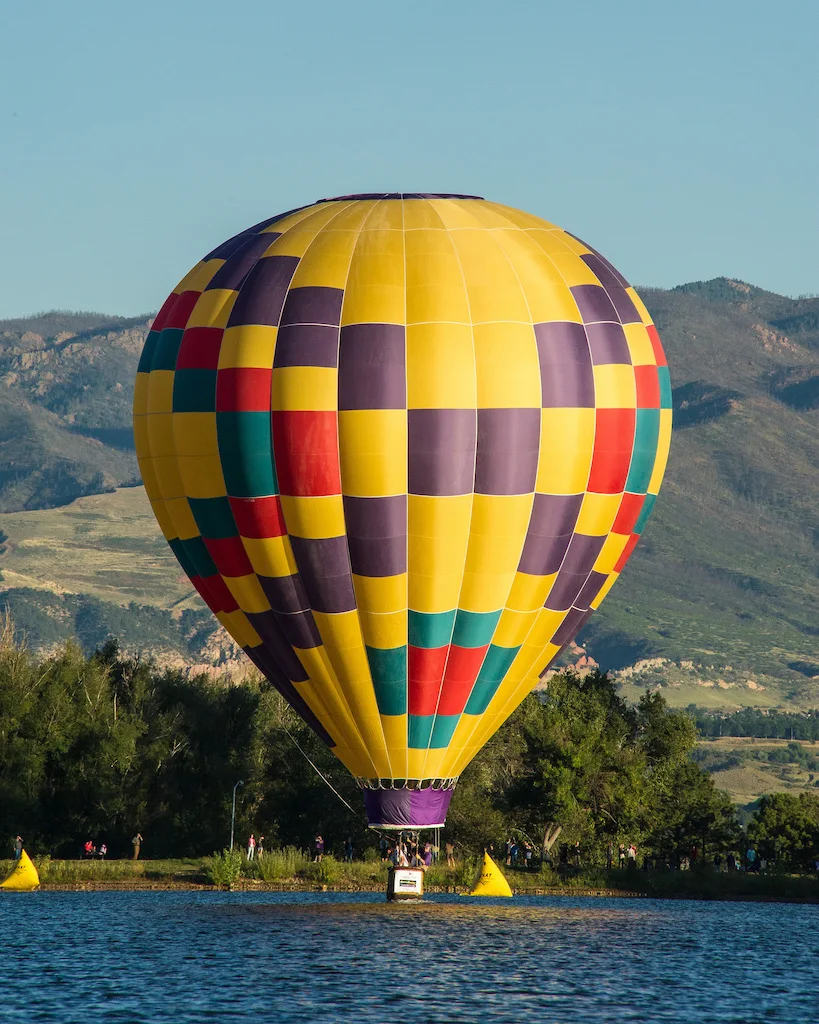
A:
(399, 195)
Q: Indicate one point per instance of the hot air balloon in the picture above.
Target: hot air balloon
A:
(403, 445)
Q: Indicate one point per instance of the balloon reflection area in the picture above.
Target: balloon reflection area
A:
(403, 445)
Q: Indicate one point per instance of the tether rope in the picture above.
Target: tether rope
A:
(320, 774)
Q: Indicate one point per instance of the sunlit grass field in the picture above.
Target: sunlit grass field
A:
(292, 868)
(108, 546)
(70, 871)
(737, 765)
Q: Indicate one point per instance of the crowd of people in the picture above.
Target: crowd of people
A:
(519, 854)
(624, 856)
(407, 851)
(94, 851)
(255, 847)
(752, 862)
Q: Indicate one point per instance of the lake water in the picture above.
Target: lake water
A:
(184, 957)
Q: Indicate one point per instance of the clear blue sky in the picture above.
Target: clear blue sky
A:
(682, 140)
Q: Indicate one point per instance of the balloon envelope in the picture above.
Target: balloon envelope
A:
(403, 445)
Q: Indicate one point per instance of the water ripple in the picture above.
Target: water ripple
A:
(187, 958)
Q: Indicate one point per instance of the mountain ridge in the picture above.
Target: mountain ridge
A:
(727, 572)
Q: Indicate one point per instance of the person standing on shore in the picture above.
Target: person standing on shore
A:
(450, 855)
(260, 848)
(621, 856)
(319, 849)
(18, 847)
(137, 842)
(251, 847)
(609, 856)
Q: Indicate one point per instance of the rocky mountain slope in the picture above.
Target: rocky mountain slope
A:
(66, 383)
(728, 570)
(725, 580)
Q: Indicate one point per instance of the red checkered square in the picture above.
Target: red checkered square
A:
(631, 544)
(229, 556)
(200, 348)
(243, 389)
(162, 315)
(648, 387)
(176, 313)
(214, 592)
(426, 670)
(258, 517)
(613, 444)
(462, 670)
(628, 512)
(659, 355)
(305, 445)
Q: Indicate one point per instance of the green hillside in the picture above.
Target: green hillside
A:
(724, 584)
(728, 569)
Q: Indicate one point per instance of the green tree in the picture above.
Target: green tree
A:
(580, 757)
(101, 747)
(785, 828)
(686, 810)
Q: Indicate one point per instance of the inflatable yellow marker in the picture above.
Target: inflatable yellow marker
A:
(24, 877)
(491, 881)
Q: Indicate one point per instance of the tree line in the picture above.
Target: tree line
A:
(104, 746)
(768, 725)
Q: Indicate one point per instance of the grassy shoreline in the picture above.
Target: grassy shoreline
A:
(367, 876)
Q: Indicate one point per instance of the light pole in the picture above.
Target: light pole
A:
(233, 810)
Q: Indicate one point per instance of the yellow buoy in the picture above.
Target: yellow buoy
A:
(491, 881)
(24, 877)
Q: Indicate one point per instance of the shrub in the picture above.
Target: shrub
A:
(224, 868)
(328, 870)
(466, 873)
(440, 874)
(278, 864)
